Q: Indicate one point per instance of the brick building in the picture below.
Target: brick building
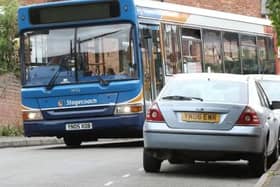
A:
(10, 87)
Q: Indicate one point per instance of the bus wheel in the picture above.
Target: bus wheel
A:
(72, 141)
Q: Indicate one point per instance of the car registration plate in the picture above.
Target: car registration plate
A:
(78, 126)
(200, 117)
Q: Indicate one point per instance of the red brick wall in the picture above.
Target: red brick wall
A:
(10, 102)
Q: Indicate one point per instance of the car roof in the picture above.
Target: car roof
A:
(215, 76)
(265, 77)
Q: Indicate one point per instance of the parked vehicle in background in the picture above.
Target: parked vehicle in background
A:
(211, 117)
(271, 85)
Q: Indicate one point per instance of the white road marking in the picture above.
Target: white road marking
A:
(108, 183)
(126, 175)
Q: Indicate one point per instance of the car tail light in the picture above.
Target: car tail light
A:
(248, 117)
(154, 114)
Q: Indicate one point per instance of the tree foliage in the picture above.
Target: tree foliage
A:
(274, 14)
(8, 33)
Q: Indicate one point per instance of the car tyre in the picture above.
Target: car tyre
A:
(72, 141)
(279, 144)
(150, 163)
(259, 164)
(275, 154)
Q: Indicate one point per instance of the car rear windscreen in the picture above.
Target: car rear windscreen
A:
(208, 90)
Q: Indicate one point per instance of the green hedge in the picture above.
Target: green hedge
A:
(9, 44)
(11, 130)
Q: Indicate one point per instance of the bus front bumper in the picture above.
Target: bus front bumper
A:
(125, 126)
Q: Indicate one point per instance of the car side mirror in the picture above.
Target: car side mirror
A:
(275, 105)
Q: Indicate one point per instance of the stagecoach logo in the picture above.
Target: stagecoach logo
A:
(60, 103)
(69, 102)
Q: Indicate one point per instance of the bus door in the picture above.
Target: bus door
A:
(152, 63)
(191, 50)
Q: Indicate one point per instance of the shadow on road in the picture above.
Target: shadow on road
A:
(226, 170)
(103, 144)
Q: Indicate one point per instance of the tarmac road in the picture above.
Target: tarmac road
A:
(110, 164)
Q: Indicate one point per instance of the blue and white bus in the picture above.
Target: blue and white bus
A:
(81, 70)
(87, 65)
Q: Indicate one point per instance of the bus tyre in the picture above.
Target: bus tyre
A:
(258, 164)
(72, 141)
(150, 163)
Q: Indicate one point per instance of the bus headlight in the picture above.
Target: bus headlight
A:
(129, 108)
(32, 115)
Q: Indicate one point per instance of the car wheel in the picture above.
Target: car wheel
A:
(279, 142)
(72, 141)
(259, 164)
(275, 154)
(150, 163)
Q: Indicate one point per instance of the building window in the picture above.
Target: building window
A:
(264, 10)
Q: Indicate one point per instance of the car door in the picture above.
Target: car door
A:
(271, 118)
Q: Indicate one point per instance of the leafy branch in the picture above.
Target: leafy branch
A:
(8, 34)
(274, 14)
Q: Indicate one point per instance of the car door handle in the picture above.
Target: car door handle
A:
(268, 117)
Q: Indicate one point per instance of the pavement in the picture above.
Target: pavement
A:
(270, 179)
(24, 141)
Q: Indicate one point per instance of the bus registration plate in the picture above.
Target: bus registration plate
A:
(78, 126)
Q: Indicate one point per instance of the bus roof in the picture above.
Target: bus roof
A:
(200, 11)
(155, 12)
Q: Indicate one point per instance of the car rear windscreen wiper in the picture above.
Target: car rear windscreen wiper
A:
(178, 97)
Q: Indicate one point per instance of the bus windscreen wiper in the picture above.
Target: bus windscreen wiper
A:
(178, 97)
(102, 82)
(51, 83)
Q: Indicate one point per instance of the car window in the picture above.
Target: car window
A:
(271, 89)
(262, 96)
(208, 90)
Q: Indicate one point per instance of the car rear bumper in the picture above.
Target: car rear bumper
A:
(238, 139)
(103, 127)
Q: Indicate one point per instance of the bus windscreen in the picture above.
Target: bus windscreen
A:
(70, 13)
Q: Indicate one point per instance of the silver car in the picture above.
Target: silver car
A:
(271, 85)
(211, 117)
